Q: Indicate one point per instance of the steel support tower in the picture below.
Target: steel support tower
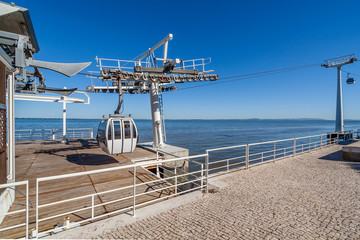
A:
(338, 63)
(148, 74)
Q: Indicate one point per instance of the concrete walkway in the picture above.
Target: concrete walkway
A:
(313, 196)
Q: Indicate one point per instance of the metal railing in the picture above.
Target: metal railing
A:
(52, 134)
(119, 64)
(174, 180)
(130, 192)
(246, 155)
(11, 187)
(195, 64)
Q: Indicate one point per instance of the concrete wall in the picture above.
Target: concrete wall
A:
(351, 152)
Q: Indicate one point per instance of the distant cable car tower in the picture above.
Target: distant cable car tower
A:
(338, 63)
(152, 75)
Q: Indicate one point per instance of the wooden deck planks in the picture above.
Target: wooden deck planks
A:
(36, 159)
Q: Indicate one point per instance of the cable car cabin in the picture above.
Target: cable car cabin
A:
(350, 81)
(117, 134)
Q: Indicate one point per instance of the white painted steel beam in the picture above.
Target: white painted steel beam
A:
(63, 99)
(156, 116)
(11, 127)
(64, 119)
(39, 98)
(151, 50)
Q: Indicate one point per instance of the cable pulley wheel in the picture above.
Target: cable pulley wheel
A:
(145, 77)
(105, 73)
(136, 76)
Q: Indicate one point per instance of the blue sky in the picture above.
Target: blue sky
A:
(240, 36)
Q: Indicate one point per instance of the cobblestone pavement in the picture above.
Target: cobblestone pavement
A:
(312, 196)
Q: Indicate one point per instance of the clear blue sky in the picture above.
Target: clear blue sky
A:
(240, 36)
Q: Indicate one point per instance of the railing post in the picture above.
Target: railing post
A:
(53, 134)
(91, 133)
(92, 206)
(157, 165)
(294, 147)
(37, 210)
(284, 152)
(134, 191)
(247, 156)
(321, 141)
(274, 151)
(202, 176)
(338, 138)
(262, 157)
(27, 210)
(227, 165)
(176, 179)
(207, 171)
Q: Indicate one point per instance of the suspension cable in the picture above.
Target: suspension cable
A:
(252, 75)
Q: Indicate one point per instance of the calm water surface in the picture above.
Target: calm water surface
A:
(199, 135)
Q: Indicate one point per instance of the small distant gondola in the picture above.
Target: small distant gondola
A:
(117, 134)
(350, 81)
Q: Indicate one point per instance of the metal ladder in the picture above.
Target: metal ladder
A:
(161, 107)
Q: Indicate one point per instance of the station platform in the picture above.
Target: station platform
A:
(42, 158)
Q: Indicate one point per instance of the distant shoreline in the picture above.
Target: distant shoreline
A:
(199, 119)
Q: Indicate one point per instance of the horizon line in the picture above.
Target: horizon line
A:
(323, 119)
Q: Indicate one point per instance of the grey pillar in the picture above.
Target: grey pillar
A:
(339, 125)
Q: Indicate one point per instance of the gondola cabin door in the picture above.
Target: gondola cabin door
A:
(117, 139)
(127, 136)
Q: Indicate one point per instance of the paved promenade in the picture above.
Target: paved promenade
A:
(312, 196)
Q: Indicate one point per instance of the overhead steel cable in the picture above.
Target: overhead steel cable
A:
(270, 71)
(351, 73)
(252, 75)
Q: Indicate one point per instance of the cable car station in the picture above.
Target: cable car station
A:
(49, 186)
(116, 142)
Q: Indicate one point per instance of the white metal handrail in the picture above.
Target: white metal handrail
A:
(52, 134)
(11, 187)
(276, 153)
(119, 64)
(133, 196)
(195, 64)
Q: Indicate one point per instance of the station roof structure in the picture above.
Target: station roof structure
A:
(15, 19)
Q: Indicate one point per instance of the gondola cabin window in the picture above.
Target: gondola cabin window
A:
(127, 129)
(101, 131)
(117, 129)
(109, 131)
